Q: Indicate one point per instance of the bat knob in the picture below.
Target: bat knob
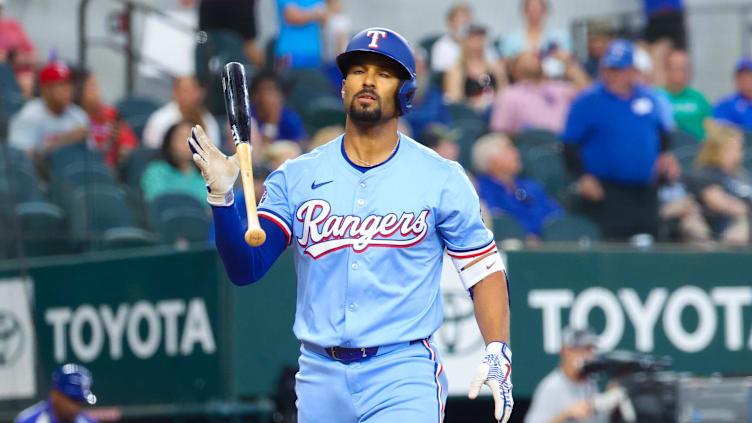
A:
(255, 237)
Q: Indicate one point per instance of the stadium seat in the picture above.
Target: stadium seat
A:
(129, 237)
(459, 111)
(685, 155)
(184, 223)
(324, 111)
(748, 141)
(545, 165)
(136, 164)
(23, 184)
(78, 174)
(64, 156)
(304, 86)
(178, 215)
(507, 227)
(681, 139)
(42, 228)
(136, 111)
(426, 43)
(16, 158)
(536, 137)
(570, 228)
(11, 99)
(220, 46)
(269, 50)
(470, 129)
(96, 209)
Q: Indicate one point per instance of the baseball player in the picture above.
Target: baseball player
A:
(71, 389)
(368, 216)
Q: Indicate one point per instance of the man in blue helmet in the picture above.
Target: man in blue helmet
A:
(368, 216)
(71, 390)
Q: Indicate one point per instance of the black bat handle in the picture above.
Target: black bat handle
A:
(237, 103)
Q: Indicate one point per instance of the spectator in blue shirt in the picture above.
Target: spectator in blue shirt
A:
(737, 108)
(276, 121)
(497, 163)
(665, 22)
(299, 41)
(617, 145)
(71, 390)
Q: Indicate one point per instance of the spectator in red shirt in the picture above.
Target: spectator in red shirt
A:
(14, 41)
(109, 133)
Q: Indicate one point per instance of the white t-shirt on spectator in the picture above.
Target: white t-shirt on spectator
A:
(335, 25)
(446, 52)
(166, 116)
(35, 123)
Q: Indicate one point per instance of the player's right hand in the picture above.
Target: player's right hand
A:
(496, 372)
(218, 170)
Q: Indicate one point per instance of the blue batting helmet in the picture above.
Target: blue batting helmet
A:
(392, 45)
(75, 382)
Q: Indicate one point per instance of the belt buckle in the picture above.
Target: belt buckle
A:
(333, 353)
(363, 350)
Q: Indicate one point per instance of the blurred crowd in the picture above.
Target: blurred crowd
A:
(614, 146)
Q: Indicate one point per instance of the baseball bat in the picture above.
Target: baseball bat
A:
(238, 107)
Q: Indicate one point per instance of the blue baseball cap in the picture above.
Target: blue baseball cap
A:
(619, 55)
(75, 382)
(743, 64)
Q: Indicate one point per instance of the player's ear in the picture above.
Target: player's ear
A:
(342, 91)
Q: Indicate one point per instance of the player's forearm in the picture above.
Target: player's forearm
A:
(491, 302)
(245, 264)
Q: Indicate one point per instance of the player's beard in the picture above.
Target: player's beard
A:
(365, 115)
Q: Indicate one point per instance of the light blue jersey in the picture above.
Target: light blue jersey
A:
(368, 245)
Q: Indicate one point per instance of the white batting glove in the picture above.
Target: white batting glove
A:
(495, 371)
(218, 170)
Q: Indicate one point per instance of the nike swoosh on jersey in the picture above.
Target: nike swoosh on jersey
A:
(314, 185)
(489, 266)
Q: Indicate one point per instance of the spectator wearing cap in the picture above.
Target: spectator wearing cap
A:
(71, 390)
(690, 106)
(187, 105)
(616, 144)
(533, 101)
(110, 134)
(474, 79)
(298, 44)
(442, 140)
(535, 36)
(275, 119)
(428, 101)
(497, 163)
(45, 124)
(737, 108)
(565, 394)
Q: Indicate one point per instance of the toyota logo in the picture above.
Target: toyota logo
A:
(11, 339)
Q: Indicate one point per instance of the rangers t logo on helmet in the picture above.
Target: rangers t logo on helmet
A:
(375, 38)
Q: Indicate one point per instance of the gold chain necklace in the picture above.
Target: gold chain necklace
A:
(367, 164)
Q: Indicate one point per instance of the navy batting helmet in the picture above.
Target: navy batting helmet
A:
(392, 45)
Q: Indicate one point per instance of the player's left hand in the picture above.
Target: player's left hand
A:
(495, 371)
